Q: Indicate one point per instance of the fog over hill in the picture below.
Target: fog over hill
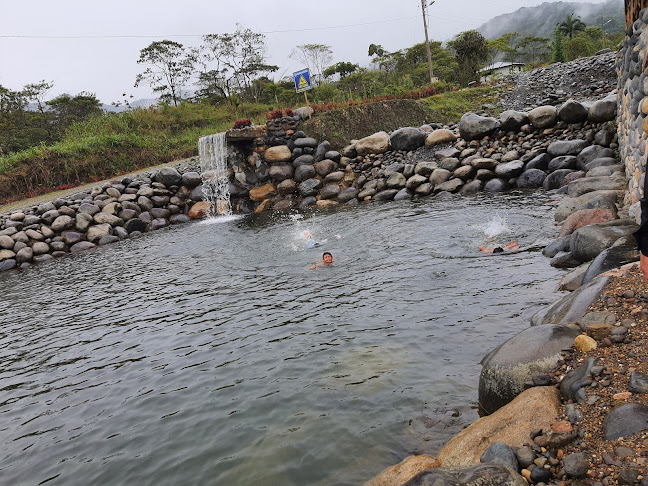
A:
(541, 20)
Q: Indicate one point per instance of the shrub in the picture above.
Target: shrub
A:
(274, 115)
(242, 124)
(290, 112)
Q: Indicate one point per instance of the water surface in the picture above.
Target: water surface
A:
(211, 354)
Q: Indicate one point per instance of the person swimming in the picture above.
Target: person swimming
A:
(327, 260)
(310, 242)
(513, 245)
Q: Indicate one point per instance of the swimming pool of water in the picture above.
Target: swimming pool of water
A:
(211, 354)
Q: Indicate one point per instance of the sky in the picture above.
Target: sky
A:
(94, 46)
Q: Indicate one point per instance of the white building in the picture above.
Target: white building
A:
(502, 68)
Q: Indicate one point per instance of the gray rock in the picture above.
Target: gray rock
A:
(425, 169)
(496, 185)
(601, 162)
(333, 155)
(452, 185)
(191, 179)
(303, 159)
(481, 475)
(304, 172)
(88, 208)
(42, 258)
(539, 162)
(308, 201)
(555, 179)
(309, 187)
(403, 195)
(572, 112)
(566, 147)
(336, 176)
(7, 265)
(347, 194)
(178, 219)
(448, 153)
(603, 110)
(281, 172)
(168, 176)
(509, 170)
(572, 387)
(415, 181)
(135, 224)
(50, 216)
(325, 167)
(24, 255)
(386, 195)
(196, 194)
(543, 117)
(40, 248)
(450, 164)
(6, 242)
(610, 259)
(591, 153)
(62, 223)
(591, 200)
(106, 240)
(306, 142)
(556, 246)
(159, 223)
(625, 420)
(562, 162)
(81, 246)
(590, 184)
(322, 148)
(501, 454)
(407, 138)
(475, 127)
(576, 465)
(531, 179)
(512, 121)
(564, 259)
(330, 191)
(589, 241)
(638, 382)
(572, 307)
(424, 189)
(506, 369)
(396, 181)
(525, 456)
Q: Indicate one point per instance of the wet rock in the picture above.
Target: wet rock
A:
(585, 217)
(386, 195)
(501, 454)
(556, 246)
(572, 387)
(396, 181)
(304, 172)
(536, 408)
(601, 162)
(540, 162)
(509, 170)
(330, 191)
(303, 159)
(610, 259)
(280, 172)
(564, 260)
(591, 200)
(136, 224)
(402, 472)
(531, 179)
(482, 475)
(588, 242)
(506, 369)
(191, 179)
(625, 420)
(525, 456)
(556, 179)
(540, 475)
(452, 185)
(572, 307)
(81, 246)
(347, 194)
(309, 187)
(403, 195)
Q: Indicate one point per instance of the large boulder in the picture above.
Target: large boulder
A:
(480, 475)
(593, 152)
(404, 471)
(540, 162)
(505, 370)
(303, 172)
(591, 184)
(572, 307)
(322, 149)
(407, 138)
(281, 172)
(603, 110)
(258, 194)
(378, 143)
(572, 112)
(562, 162)
(625, 420)
(512, 121)
(609, 259)
(589, 200)
(278, 155)
(535, 408)
(585, 217)
(531, 179)
(475, 127)
(168, 176)
(543, 116)
(566, 147)
(440, 137)
(510, 170)
(556, 179)
(588, 242)
(309, 187)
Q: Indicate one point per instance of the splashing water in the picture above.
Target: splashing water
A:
(212, 151)
(495, 226)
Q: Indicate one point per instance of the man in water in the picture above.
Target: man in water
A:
(327, 259)
(498, 249)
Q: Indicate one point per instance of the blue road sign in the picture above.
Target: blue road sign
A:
(302, 80)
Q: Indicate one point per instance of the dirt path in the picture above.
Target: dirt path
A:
(35, 201)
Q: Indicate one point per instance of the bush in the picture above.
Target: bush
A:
(242, 124)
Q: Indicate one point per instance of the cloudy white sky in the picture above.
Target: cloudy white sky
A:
(94, 46)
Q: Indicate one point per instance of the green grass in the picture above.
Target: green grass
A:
(450, 107)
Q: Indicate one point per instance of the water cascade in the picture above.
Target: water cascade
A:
(212, 151)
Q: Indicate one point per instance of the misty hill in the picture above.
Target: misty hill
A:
(541, 20)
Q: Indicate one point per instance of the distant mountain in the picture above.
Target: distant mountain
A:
(541, 20)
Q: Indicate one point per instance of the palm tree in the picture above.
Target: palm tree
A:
(571, 26)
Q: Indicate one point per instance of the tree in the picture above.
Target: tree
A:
(471, 52)
(231, 62)
(376, 50)
(341, 68)
(571, 26)
(558, 48)
(580, 46)
(503, 47)
(169, 69)
(534, 49)
(314, 57)
(68, 110)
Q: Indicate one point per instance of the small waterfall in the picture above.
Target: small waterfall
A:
(212, 151)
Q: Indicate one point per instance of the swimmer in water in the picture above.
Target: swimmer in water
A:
(310, 242)
(513, 245)
(327, 260)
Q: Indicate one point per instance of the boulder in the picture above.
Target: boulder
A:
(601, 162)
(572, 307)
(304, 112)
(396, 181)
(512, 121)
(531, 179)
(539, 162)
(258, 194)
(278, 155)
(481, 475)
(590, 200)
(473, 187)
(305, 142)
(169, 176)
(450, 163)
(62, 223)
(585, 217)
(425, 168)
(505, 370)
(309, 187)
(303, 172)
(562, 162)
(347, 195)
(564, 260)
(136, 224)
(440, 137)
(589, 241)
(603, 110)
(403, 195)
(330, 191)
(452, 185)
(402, 472)
(574, 279)
(572, 387)
(497, 185)
(325, 167)
(475, 127)
(591, 184)
(81, 246)
(439, 176)
(555, 179)
(535, 408)
(386, 195)
(625, 420)
(378, 143)
(464, 173)
(588, 154)
(287, 187)
(566, 147)
(415, 181)
(197, 211)
(322, 149)
(609, 259)
(407, 139)
(509, 170)
(191, 179)
(500, 454)
(281, 172)
(572, 112)
(303, 159)
(543, 116)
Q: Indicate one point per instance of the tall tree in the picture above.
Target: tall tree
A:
(571, 26)
(71, 109)
(471, 52)
(231, 62)
(169, 69)
(314, 56)
(557, 47)
(534, 49)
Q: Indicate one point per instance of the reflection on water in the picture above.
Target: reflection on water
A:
(210, 354)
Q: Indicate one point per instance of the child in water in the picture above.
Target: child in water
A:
(310, 242)
(327, 259)
(513, 245)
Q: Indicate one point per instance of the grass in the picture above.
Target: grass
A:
(449, 107)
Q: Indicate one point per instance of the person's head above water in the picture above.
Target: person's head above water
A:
(327, 258)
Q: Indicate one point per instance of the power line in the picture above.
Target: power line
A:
(195, 35)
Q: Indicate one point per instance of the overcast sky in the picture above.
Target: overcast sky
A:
(72, 43)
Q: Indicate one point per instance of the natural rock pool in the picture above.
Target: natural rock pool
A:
(211, 354)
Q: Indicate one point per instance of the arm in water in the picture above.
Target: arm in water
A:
(513, 245)
(327, 259)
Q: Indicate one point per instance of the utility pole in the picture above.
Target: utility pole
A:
(424, 6)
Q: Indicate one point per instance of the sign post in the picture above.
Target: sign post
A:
(303, 84)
